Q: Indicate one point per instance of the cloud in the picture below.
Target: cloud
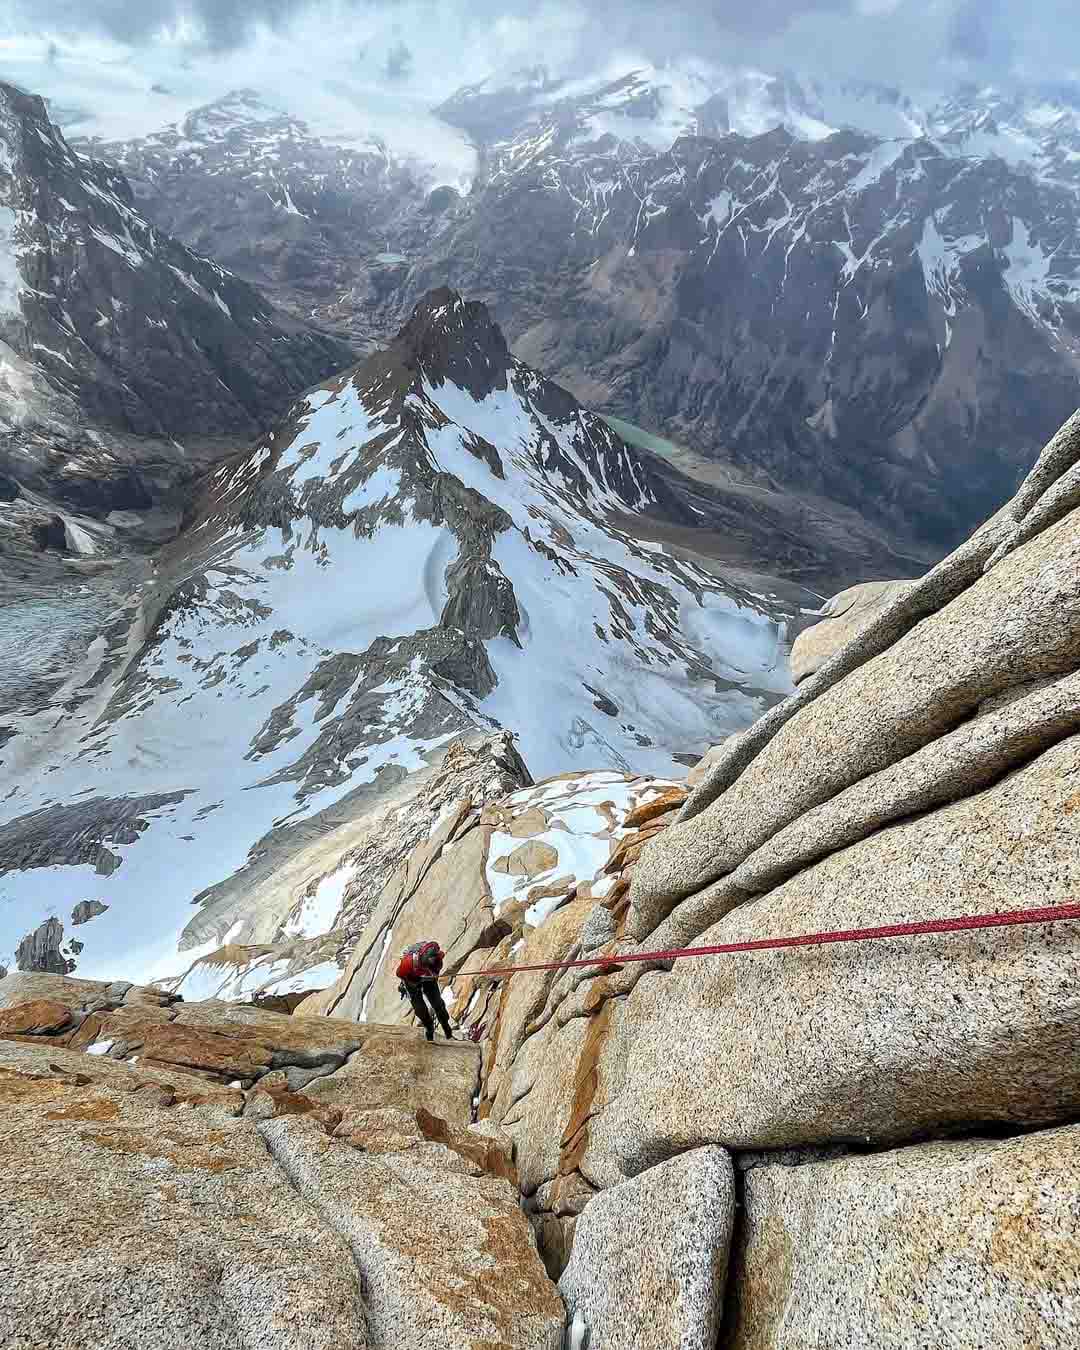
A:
(979, 32)
(399, 62)
(224, 24)
(908, 39)
(362, 68)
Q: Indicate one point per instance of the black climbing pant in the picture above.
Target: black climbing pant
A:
(429, 989)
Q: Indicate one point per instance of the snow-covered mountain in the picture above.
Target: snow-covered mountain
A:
(427, 548)
(127, 362)
(317, 223)
(888, 323)
(835, 289)
(117, 342)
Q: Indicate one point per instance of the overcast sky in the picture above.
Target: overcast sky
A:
(992, 34)
(384, 63)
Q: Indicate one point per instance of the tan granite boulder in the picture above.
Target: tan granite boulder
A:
(649, 1260)
(842, 618)
(228, 1042)
(39, 1016)
(448, 1258)
(958, 1245)
(129, 1221)
(396, 1068)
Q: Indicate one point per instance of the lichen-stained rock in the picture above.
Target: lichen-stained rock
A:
(650, 1257)
(959, 1246)
(842, 618)
(130, 1222)
(556, 1088)
(396, 1068)
(67, 1069)
(448, 1258)
(222, 1042)
(230, 1041)
(39, 1016)
(888, 1040)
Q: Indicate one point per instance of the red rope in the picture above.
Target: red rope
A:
(1009, 919)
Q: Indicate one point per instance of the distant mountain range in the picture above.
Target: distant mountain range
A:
(838, 290)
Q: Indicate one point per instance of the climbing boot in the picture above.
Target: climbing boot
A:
(448, 1033)
(430, 1033)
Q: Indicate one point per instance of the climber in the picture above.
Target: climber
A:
(418, 975)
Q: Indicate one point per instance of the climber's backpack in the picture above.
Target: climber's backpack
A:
(418, 949)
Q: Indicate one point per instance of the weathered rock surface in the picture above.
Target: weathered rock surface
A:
(474, 883)
(843, 617)
(395, 1068)
(221, 1042)
(962, 1245)
(129, 1221)
(921, 1036)
(322, 1207)
(448, 1258)
(42, 1058)
(650, 1257)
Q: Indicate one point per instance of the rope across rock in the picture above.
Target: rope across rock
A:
(1005, 919)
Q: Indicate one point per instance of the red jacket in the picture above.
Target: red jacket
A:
(412, 970)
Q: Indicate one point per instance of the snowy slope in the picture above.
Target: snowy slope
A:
(421, 550)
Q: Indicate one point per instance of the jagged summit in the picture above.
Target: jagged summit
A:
(429, 548)
(448, 338)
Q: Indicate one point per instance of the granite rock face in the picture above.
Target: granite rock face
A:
(486, 878)
(929, 768)
(958, 1246)
(448, 1258)
(650, 1257)
(842, 618)
(127, 1219)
